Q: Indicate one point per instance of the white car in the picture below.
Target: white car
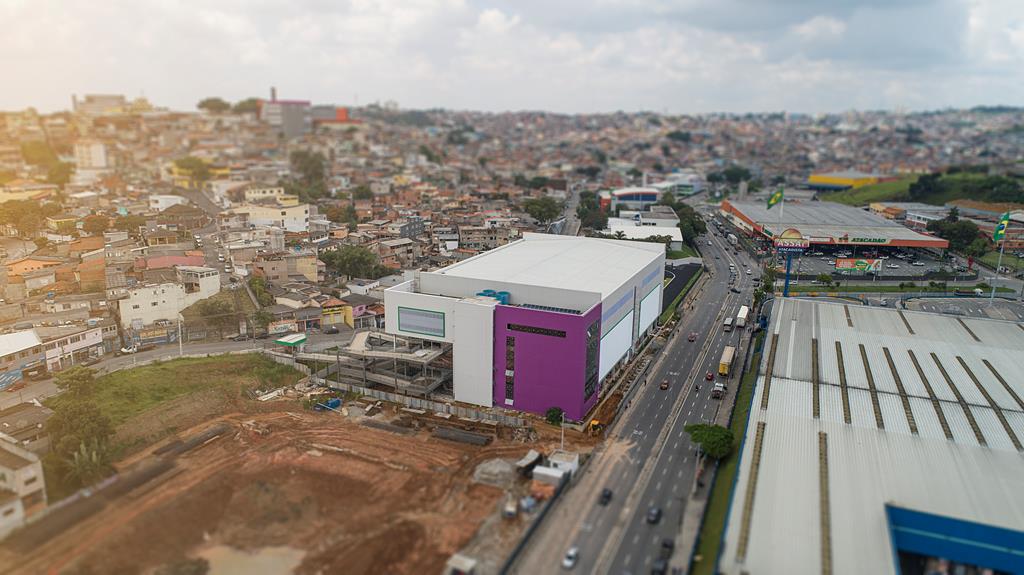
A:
(748, 272)
(571, 557)
(220, 258)
(918, 264)
(892, 266)
(227, 269)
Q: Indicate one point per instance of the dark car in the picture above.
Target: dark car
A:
(240, 337)
(330, 329)
(262, 335)
(709, 376)
(659, 567)
(667, 547)
(606, 496)
(654, 515)
(692, 336)
(734, 290)
(664, 384)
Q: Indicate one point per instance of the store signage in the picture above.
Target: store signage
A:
(858, 264)
(791, 241)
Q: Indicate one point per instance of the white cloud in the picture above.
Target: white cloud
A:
(571, 55)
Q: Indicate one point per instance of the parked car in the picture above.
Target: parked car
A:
(331, 329)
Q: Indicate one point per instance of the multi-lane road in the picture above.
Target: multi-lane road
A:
(647, 460)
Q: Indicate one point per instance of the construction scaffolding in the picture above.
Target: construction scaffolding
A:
(374, 358)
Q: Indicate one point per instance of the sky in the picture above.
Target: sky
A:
(683, 56)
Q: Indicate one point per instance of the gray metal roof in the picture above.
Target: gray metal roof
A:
(948, 443)
(826, 220)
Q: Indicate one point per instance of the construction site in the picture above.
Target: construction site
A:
(365, 487)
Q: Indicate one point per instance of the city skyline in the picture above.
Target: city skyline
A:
(692, 57)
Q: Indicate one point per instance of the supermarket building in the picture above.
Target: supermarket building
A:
(537, 323)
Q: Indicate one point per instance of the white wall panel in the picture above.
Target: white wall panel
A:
(615, 344)
(650, 309)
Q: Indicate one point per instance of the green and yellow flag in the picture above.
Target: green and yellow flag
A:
(1000, 232)
(775, 198)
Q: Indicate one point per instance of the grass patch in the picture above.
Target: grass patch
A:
(243, 305)
(800, 288)
(124, 394)
(864, 195)
(671, 309)
(1009, 260)
(717, 508)
(685, 252)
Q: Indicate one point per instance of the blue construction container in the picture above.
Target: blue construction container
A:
(503, 297)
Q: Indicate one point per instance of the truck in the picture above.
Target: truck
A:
(741, 317)
(728, 324)
(718, 392)
(732, 239)
(725, 364)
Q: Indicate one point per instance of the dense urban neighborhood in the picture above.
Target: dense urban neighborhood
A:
(279, 335)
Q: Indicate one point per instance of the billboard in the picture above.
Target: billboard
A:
(791, 241)
(858, 264)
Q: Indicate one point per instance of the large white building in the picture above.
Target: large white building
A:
(160, 202)
(91, 155)
(881, 441)
(146, 304)
(291, 218)
(22, 486)
(536, 323)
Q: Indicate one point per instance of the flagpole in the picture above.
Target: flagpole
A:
(999, 264)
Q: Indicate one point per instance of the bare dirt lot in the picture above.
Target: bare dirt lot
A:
(344, 497)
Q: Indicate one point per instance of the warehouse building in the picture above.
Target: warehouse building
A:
(825, 223)
(537, 323)
(881, 441)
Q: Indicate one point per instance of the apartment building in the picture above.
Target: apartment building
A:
(146, 304)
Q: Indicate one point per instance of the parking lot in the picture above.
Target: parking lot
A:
(970, 307)
(820, 260)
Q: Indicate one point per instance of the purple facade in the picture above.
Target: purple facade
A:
(550, 359)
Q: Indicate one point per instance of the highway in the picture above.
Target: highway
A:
(647, 459)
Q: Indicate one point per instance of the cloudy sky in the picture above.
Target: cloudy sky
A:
(682, 56)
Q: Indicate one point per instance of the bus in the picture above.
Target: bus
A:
(741, 317)
(728, 324)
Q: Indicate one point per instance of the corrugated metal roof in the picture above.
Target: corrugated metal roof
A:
(868, 466)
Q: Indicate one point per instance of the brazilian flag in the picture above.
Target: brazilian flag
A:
(775, 198)
(1000, 232)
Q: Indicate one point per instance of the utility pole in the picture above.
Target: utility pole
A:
(181, 345)
(562, 427)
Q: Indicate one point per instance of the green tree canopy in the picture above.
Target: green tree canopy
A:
(76, 381)
(543, 209)
(960, 233)
(95, 224)
(554, 415)
(246, 106)
(716, 441)
(825, 279)
(362, 192)
(76, 421)
(199, 171)
(353, 261)
(59, 173)
(214, 105)
(130, 224)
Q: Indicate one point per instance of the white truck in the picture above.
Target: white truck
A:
(741, 317)
(732, 239)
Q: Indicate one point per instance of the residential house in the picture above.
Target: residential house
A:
(25, 422)
(21, 473)
(146, 304)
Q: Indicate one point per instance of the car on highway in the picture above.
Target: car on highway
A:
(664, 384)
(659, 567)
(654, 515)
(606, 496)
(692, 336)
(709, 376)
(667, 547)
(734, 290)
(572, 556)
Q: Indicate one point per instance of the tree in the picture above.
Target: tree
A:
(362, 192)
(41, 243)
(825, 279)
(214, 105)
(352, 261)
(594, 219)
(246, 106)
(715, 440)
(89, 464)
(678, 136)
(95, 224)
(130, 224)
(262, 319)
(668, 199)
(736, 174)
(978, 247)
(960, 233)
(258, 286)
(953, 215)
(59, 173)
(76, 381)
(198, 170)
(543, 209)
(76, 421)
(554, 415)
(28, 225)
